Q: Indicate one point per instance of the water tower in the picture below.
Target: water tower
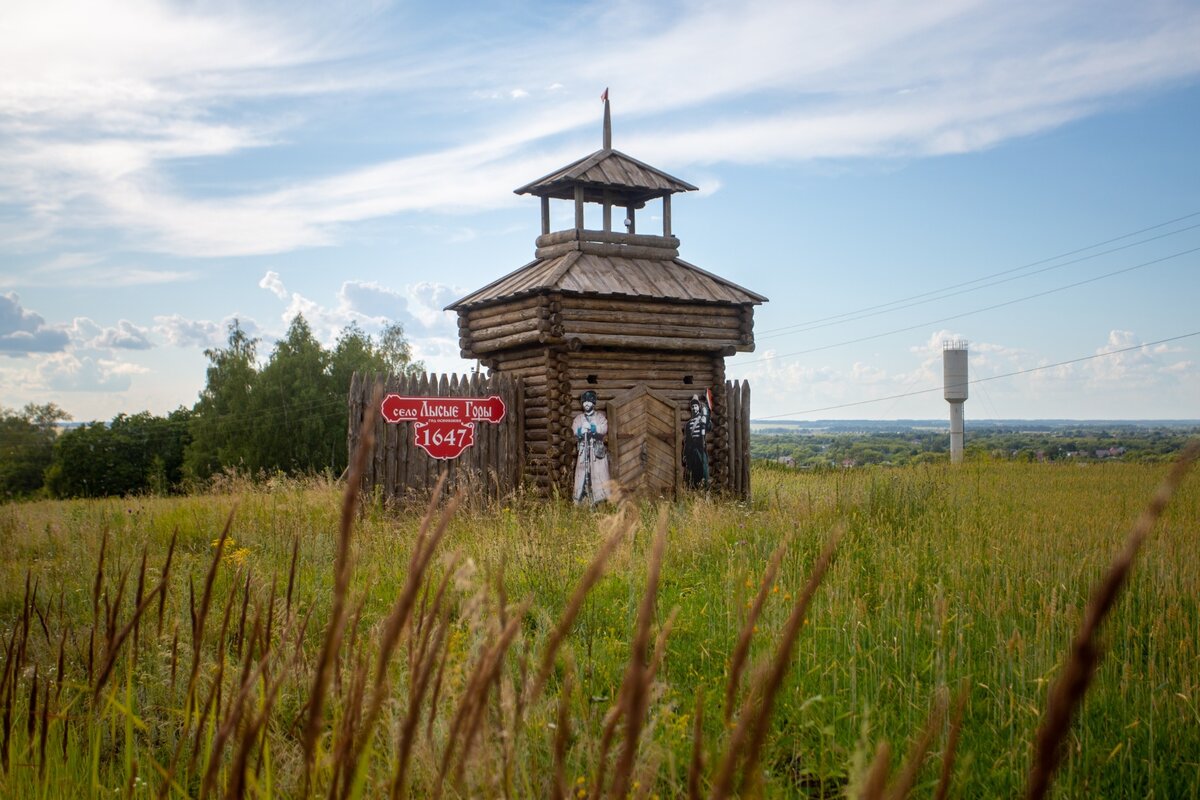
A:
(954, 379)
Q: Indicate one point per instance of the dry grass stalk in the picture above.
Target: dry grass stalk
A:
(32, 706)
(741, 650)
(755, 715)
(137, 601)
(292, 575)
(475, 697)
(200, 617)
(696, 765)
(1080, 666)
(199, 620)
(42, 617)
(44, 733)
(343, 767)
(638, 673)
(119, 639)
(228, 725)
(236, 786)
(241, 631)
(401, 611)
(562, 737)
(342, 569)
(877, 776)
(919, 749)
(607, 733)
(174, 653)
(58, 672)
(436, 651)
(960, 707)
(265, 646)
(566, 620)
(166, 577)
(98, 583)
(114, 610)
(219, 683)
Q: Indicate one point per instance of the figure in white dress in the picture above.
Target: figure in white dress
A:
(591, 468)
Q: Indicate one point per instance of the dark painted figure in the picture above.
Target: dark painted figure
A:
(695, 457)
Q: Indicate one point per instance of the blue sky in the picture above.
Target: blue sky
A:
(889, 174)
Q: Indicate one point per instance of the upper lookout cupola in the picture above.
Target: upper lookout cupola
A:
(612, 180)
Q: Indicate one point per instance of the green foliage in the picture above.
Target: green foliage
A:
(222, 423)
(132, 454)
(26, 447)
(289, 414)
(1031, 442)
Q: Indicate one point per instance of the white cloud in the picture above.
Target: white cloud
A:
(93, 114)
(125, 336)
(23, 332)
(183, 332)
(273, 284)
(66, 372)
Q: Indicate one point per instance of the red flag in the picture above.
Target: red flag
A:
(604, 96)
(708, 397)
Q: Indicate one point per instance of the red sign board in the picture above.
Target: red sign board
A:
(443, 426)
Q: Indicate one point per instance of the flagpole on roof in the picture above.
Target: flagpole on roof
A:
(607, 122)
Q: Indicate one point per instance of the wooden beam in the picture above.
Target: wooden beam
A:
(545, 215)
(666, 211)
(578, 207)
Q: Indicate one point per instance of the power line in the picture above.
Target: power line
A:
(989, 378)
(968, 313)
(1005, 272)
(942, 294)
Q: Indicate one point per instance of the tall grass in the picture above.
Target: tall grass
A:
(699, 649)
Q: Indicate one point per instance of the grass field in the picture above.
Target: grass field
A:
(943, 580)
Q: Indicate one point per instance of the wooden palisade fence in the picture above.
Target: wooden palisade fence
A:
(501, 460)
(737, 406)
(401, 472)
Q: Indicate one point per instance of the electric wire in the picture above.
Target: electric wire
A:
(992, 307)
(1002, 272)
(974, 381)
(801, 327)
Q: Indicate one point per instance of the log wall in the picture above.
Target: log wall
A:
(559, 345)
(403, 473)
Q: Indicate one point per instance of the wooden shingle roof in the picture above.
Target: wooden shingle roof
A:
(634, 181)
(583, 273)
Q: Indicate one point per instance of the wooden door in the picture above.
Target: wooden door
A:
(645, 434)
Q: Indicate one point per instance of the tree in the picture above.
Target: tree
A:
(299, 419)
(356, 351)
(396, 352)
(291, 414)
(27, 447)
(131, 454)
(222, 421)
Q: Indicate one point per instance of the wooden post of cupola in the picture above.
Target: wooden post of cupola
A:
(666, 215)
(578, 207)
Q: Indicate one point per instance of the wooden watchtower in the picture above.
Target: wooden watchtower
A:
(618, 312)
